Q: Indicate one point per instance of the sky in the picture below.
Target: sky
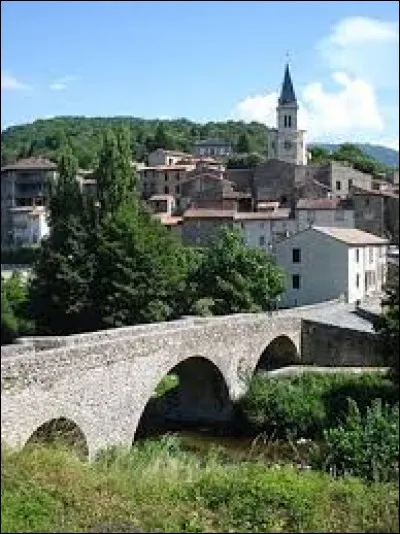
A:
(205, 61)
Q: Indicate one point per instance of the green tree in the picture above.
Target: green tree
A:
(15, 310)
(236, 277)
(63, 272)
(387, 328)
(9, 323)
(243, 146)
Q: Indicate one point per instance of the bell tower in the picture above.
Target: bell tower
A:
(290, 140)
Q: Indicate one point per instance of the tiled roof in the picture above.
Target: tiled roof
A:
(359, 191)
(203, 213)
(30, 163)
(163, 168)
(160, 197)
(351, 236)
(280, 213)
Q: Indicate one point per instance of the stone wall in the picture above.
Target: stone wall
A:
(329, 345)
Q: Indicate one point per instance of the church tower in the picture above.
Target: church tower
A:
(290, 142)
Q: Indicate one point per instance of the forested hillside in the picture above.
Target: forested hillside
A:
(45, 137)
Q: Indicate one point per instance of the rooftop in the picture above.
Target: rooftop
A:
(351, 236)
(30, 164)
(213, 142)
(320, 203)
(287, 93)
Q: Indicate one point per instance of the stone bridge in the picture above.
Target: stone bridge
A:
(101, 382)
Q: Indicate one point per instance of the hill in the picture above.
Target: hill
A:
(44, 137)
(386, 156)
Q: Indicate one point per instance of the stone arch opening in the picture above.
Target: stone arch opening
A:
(281, 352)
(61, 432)
(192, 394)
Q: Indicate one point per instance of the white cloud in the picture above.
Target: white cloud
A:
(364, 47)
(62, 83)
(347, 113)
(10, 83)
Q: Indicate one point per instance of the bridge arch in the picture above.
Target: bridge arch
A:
(199, 396)
(60, 431)
(280, 352)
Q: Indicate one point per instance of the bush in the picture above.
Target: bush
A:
(365, 446)
(307, 404)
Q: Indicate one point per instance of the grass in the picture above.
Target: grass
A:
(158, 485)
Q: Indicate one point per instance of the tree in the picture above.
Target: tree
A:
(63, 272)
(387, 328)
(237, 278)
(243, 145)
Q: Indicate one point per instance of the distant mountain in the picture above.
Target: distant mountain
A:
(383, 154)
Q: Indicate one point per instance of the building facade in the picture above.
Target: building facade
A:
(324, 263)
(215, 148)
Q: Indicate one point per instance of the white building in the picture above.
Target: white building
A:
(286, 142)
(324, 263)
(29, 225)
(333, 212)
(161, 157)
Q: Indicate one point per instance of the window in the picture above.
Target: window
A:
(338, 185)
(357, 280)
(166, 177)
(296, 281)
(357, 255)
(296, 255)
(166, 190)
(287, 145)
(350, 182)
(261, 241)
(289, 121)
(371, 254)
(284, 121)
(261, 225)
(177, 189)
(178, 176)
(366, 201)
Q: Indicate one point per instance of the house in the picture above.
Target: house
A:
(162, 204)
(23, 185)
(377, 212)
(264, 229)
(325, 263)
(166, 157)
(162, 179)
(214, 148)
(324, 212)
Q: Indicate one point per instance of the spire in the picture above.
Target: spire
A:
(287, 93)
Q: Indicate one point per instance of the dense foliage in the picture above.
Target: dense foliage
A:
(19, 255)
(304, 406)
(365, 445)
(46, 137)
(15, 309)
(160, 486)
(387, 328)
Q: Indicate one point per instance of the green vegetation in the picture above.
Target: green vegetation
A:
(46, 137)
(305, 405)
(234, 278)
(15, 312)
(352, 154)
(159, 485)
(387, 327)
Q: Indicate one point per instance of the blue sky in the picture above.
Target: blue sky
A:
(205, 61)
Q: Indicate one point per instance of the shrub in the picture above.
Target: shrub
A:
(365, 446)
(307, 404)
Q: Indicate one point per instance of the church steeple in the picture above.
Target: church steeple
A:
(287, 93)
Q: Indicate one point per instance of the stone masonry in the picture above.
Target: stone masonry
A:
(102, 381)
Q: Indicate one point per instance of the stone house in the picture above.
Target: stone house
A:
(324, 263)
(161, 157)
(335, 212)
(24, 185)
(217, 148)
(377, 212)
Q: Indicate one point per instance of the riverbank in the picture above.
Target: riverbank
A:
(161, 486)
